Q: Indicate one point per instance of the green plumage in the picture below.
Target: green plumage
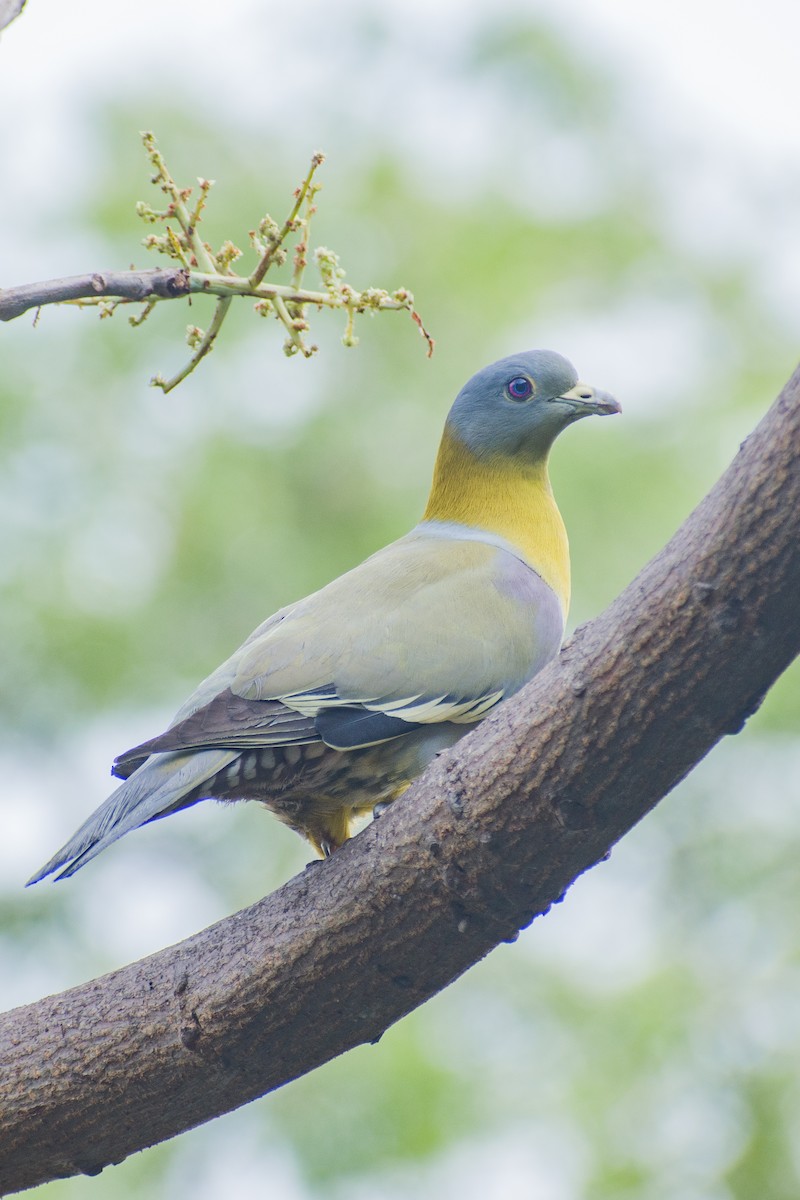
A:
(338, 701)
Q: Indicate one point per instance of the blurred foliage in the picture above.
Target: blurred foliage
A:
(643, 1041)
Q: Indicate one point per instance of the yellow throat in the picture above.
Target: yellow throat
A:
(506, 497)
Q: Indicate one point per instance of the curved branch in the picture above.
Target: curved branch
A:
(492, 835)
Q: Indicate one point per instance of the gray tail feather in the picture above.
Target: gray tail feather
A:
(153, 791)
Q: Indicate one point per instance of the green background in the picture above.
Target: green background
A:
(644, 1039)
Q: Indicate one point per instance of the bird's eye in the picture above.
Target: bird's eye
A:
(519, 388)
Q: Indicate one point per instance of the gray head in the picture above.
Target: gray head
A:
(518, 405)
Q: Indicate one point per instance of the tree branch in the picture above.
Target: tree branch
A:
(134, 287)
(492, 835)
(181, 241)
(9, 9)
(131, 286)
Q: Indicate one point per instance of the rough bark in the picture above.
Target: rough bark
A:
(492, 835)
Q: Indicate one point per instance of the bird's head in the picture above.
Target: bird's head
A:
(516, 407)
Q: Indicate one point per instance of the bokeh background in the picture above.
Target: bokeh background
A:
(614, 180)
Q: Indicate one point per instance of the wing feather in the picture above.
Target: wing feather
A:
(425, 631)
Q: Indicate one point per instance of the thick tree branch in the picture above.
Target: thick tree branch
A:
(492, 835)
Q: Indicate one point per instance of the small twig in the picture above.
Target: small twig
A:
(417, 319)
(301, 250)
(294, 327)
(202, 255)
(174, 248)
(205, 187)
(144, 314)
(349, 338)
(203, 348)
(289, 224)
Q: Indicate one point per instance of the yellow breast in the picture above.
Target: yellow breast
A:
(506, 497)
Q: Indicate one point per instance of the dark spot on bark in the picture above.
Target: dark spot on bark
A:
(191, 1031)
(575, 815)
(728, 616)
(456, 802)
(453, 878)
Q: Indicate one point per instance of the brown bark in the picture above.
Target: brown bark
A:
(136, 286)
(492, 835)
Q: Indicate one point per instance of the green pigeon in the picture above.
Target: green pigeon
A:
(337, 702)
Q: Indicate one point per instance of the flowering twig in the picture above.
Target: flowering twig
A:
(200, 270)
(200, 342)
(276, 239)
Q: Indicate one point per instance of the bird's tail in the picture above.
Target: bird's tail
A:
(163, 784)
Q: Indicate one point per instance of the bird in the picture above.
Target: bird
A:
(336, 703)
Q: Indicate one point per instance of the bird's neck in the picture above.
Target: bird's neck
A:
(509, 499)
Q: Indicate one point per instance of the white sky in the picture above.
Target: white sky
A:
(730, 64)
(723, 70)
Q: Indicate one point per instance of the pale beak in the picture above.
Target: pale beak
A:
(586, 400)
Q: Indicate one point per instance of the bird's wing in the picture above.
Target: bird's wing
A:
(201, 720)
(226, 722)
(427, 630)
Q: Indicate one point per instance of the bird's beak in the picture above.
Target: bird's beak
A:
(587, 400)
